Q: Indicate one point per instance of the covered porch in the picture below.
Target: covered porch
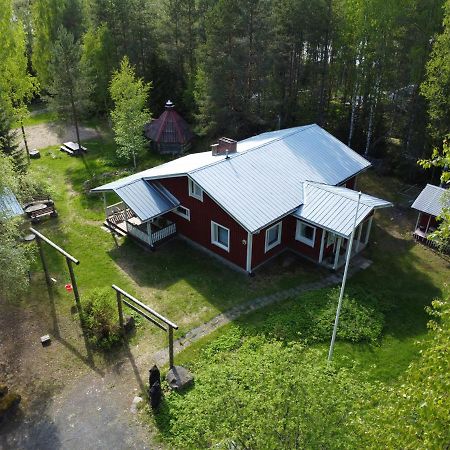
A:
(123, 220)
(141, 211)
(335, 258)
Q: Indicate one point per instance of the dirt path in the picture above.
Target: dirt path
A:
(46, 134)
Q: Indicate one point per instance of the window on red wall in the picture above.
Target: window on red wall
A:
(220, 236)
(273, 237)
(305, 233)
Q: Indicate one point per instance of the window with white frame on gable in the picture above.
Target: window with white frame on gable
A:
(305, 233)
(195, 190)
(220, 236)
(273, 236)
(183, 212)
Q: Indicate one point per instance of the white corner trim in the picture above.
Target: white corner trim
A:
(249, 252)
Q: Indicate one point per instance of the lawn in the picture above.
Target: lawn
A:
(403, 279)
(185, 284)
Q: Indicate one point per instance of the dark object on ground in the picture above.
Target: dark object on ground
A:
(72, 149)
(34, 154)
(8, 401)
(129, 324)
(155, 395)
(45, 340)
(37, 209)
(179, 378)
(154, 376)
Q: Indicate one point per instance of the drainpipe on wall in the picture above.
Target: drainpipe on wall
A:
(248, 267)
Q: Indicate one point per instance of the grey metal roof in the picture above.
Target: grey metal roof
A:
(263, 180)
(262, 184)
(9, 206)
(147, 200)
(334, 208)
(430, 200)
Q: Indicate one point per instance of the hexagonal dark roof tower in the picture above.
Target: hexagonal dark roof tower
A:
(169, 133)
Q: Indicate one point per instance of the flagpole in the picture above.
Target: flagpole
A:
(344, 280)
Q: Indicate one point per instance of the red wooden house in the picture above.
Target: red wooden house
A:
(248, 201)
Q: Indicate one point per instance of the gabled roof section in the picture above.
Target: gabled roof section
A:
(169, 127)
(263, 180)
(430, 200)
(334, 208)
(147, 200)
(9, 206)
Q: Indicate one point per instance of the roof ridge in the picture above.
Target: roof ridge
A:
(235, 155)
(321, 186)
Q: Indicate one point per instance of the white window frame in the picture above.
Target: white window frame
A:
(186, 216)
(301, 238)
(192, 188)
(268, 246)
(216, 241)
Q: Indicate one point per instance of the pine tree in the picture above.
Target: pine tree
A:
(8, 142)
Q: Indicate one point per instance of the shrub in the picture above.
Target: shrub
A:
(311, 317)
(100, 319)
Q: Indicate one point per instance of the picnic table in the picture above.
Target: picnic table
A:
(36, 207)
(72, 148)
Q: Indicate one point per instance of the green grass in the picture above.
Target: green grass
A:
(183, 283)
(405, 277)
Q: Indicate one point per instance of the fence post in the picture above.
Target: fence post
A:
(44, 264)
(119, 309)
(170, 329)
(73, 281)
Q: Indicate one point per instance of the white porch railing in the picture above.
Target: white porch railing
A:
(155, 236)
(164, 232)
(136, 232)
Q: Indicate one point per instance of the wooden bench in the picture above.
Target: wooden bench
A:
(37, 215)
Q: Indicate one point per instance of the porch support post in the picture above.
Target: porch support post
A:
(322, 245)
(358, 239)
(248, 267)
(428, 224)
(417, 222)
(369, 227)
(337, 252)
(104, 204)
(149, 233)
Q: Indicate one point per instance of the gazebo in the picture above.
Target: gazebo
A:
(169, 133)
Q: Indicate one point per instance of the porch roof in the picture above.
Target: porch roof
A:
(9, 206)
(147, 200)
(333, 208)
(431, 200)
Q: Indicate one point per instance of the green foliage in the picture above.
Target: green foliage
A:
(311, 317)
(130, 112)
(441, 159)
(264, 395)
(415, 412)
(436, 87)
(71, 86)
(100, 319)
(15, 256)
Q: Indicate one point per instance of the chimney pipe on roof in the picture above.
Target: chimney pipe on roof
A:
(224, 145)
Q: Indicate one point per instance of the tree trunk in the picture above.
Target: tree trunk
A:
(353, 115)
(25, 142)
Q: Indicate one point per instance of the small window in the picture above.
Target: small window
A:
(195, 190)
(220, 236)
(273, 236)
(183, 212)
(305, 233)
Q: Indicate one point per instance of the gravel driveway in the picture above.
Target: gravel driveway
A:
(46, 134)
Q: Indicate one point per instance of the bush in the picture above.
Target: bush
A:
(263, 395)
(101, 320)
(311, 317)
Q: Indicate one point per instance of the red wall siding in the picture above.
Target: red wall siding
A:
(199, 227)
(259, 245)
(350, 183)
